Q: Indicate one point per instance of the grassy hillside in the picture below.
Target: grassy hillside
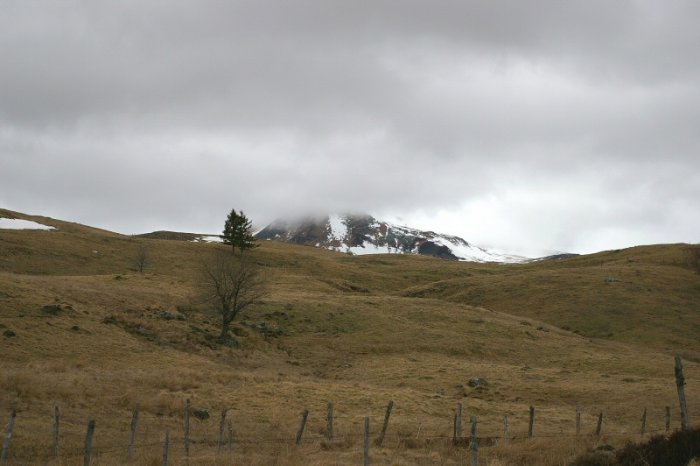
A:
(643, 295)
(357, 331)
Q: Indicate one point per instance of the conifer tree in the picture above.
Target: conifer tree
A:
(238, 232)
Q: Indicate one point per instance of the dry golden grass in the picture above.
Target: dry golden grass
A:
(358, 331)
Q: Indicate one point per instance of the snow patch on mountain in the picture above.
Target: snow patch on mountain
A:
(338, 228)
(466, 251)
(368, 248)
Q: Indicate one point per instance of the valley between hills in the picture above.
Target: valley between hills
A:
(83, 330)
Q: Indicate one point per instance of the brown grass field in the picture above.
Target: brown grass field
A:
(598, 330)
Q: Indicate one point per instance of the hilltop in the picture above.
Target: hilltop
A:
(84, 330)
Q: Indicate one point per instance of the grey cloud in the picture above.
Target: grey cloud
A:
(129, 56)
(172, 112)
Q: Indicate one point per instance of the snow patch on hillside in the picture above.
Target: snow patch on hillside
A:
(208, 239)
(17, 224)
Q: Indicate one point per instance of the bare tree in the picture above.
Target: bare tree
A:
(141, 259)
(232, 284)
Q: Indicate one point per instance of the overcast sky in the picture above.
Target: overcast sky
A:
(527, 127)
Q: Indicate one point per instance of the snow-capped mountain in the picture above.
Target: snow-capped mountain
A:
(363, 234)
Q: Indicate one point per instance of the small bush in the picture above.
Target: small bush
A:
(676, 450)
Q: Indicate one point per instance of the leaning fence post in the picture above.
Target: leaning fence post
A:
(166, 447)
(366, 444)
(532, 422)
(300, 432)
(8, 437)
(187, 427)
(88, 442)
(387, 415)
(132, 433)
(668, 418)
(600, 424)
(644, 423)
(680, 385)
(505, 429)
(329, 421)
(578, 419)
(56, 419)
(474, 443)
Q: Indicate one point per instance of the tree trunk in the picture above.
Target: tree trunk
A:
(223, 336)
(226, 320)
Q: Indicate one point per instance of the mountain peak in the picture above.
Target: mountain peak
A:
(363, 234)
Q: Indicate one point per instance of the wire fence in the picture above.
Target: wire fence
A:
(213, 436)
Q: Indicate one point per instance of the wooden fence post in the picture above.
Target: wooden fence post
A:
(187, 427)
(454, 429)
(8, 437)
(387, 415)
(644, 423)
(221, 429)
(474, 443)
(329, 421)
(366, 444)
(166, 447)
(458, 423)
(230, 436)
(88, 442)
(531, 423)
(680, 385)
(578, 419)
(132, 433)
(56, 420)
(300, 432)
(600, 424)
(505, 429)
(668, 418)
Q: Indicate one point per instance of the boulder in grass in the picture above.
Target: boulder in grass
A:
(477, 382)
